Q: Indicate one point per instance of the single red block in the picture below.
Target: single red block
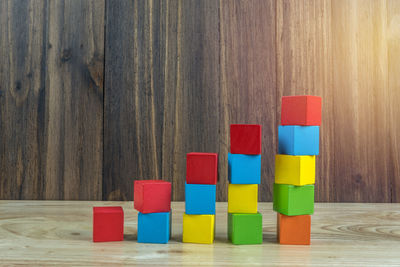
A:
(201, 168)
(152, 196)
(246, 139)
(301, 110)
(108, 224)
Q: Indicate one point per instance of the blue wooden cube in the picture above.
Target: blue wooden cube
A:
(154, 227)
(298, 140)
(244, 169)
(200, 198)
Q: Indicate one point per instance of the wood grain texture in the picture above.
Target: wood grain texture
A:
(75, 100)
(393, 91)
(52, 99)
(22, 99)
(360, 82)
(55, 232)
(248, 80)
(304, 66)
(176, 73)
(122, 138)
(161, 91)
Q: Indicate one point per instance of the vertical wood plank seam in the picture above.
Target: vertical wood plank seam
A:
(277, 100)
(61, 183)
(136, 84)
(223, 98)
(177, 90)
(165, 84)
(332, 187)
(391, 162)
(276, 68)
(153, 139)
(392, 150)
(43, 89)
(103, 191)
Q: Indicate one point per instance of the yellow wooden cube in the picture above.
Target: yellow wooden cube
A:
(198, 228)
(242, 198)
(294, 170)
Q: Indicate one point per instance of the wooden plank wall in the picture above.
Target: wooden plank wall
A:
(51, 100)
(97, 93)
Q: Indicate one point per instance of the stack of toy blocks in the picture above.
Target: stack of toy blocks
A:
(152, 198)
(293, 192)
(200, 193)
(244, 173)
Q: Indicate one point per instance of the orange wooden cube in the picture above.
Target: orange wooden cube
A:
(294, 230)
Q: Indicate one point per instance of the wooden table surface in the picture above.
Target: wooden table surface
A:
(60, 232)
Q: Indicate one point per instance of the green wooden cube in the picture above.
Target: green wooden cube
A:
(245, 228)
(294, 200)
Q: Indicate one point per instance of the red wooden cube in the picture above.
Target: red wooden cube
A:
(246, 139)
(152, 196)
(201, 168)
(108, 224)
(301, 110)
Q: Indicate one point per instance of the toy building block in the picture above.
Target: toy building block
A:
(298, 140)
(152, 196)
(245, 228)
(108, 224)
(301, 110)
(294, 200)
(294, 170)
(198, 229)
(294, 230)
(245, 139)
(244, 169)
(154, 227)
(201, 168)
(200, 198)
(242, 198)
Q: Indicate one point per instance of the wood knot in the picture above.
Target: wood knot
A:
(357, 178)
(96, 69)
(18, 86)
(66, 55)
(116, 195)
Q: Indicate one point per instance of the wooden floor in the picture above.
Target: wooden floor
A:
(56, 232)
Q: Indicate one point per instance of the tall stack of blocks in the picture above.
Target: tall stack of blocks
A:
(200, 194)
(293, 192)
(244, 174)
(152, 198)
